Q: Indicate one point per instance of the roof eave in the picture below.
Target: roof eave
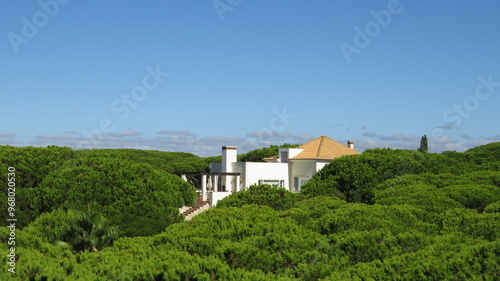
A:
(323, 159)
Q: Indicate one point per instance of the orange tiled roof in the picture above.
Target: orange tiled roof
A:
(274, 158)
(323, 148)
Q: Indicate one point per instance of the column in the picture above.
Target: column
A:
(216, 185)
(237, 188)
(204, 187)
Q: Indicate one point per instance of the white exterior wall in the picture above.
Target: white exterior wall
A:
(216, 196)
(252, 172)
(229, 156)
(302, 169)
(289, 152)
(239, 167)
(321, 163)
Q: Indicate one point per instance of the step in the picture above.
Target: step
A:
(197, 206)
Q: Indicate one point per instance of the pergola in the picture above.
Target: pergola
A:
(216, 182)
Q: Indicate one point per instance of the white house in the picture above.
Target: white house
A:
(290, 169)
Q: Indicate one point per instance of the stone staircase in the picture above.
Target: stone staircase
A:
(199, 207)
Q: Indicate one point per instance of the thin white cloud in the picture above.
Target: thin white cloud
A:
(180, 141)
(185, 141)
(56, 138)
(269, 135)
(371, 135)
(487, 140)
(61, 140)
(8, 135)
(493, 138)
(445, 143)
(127, 133)
(401, 138)
(395, 141)
(395, 137)
(265, 138)
(436, 144)
(448, 126)
(392, 141)
(185, 133)
(204, 146)
(9, 139)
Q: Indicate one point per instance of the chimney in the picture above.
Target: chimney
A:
(229, 156)
(350, 144)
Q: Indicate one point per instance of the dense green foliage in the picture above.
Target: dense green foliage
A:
(429, 217)
(128, 193)
(136, 196)
(31, 165)
(265, 195)
(171, 162)
(89, 232)
(355, 177)
(258, 155)
(485, 154)
(424, 147)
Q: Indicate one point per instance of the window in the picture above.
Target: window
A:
(278, 183)
(303, 181)
(283, 156)
(298, 182)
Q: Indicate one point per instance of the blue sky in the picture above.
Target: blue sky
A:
(194, 75)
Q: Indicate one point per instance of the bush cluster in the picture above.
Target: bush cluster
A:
(382, 215)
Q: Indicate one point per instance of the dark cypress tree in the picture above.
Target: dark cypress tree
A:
(423, 144)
